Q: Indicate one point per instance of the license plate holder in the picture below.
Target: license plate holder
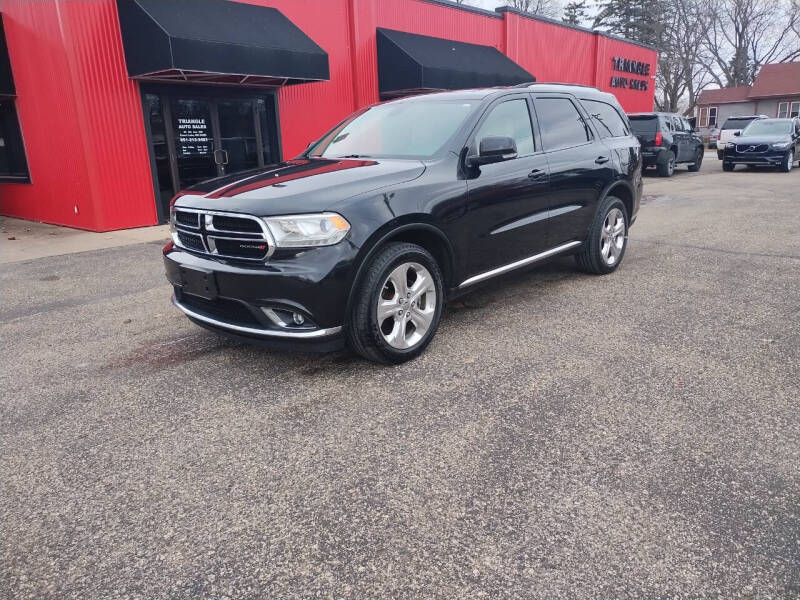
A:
(198, 282)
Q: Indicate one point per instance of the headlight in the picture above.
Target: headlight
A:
(298, 231)
(781, 146)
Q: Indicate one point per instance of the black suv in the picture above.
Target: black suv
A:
(401, 206)
(764, 143)
(667, 140)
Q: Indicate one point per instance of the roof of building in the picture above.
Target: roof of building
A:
(779, 79)
(724, 95)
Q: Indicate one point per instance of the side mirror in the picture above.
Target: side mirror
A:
(737, 133)
(494, 149)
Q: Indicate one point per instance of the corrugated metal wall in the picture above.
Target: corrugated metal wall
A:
(81, 115)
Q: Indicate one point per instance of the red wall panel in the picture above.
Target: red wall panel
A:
(48, 114)
(631, 100)
(81, 115)
(550, 52)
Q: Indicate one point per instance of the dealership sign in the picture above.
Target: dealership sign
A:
(630, 66)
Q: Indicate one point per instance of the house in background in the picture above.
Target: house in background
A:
(775, 93)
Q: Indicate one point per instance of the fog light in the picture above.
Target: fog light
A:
(298, 318)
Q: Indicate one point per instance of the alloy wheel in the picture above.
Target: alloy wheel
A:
(789, 160)
(406, 305)
(612, 237)
(671, 167)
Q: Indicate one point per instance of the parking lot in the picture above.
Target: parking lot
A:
(565, 436)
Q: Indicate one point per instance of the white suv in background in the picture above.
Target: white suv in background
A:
(731, 127)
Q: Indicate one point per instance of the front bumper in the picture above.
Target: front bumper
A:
(242, 299)
(770, 158)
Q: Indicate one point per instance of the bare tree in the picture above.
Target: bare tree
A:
(742, 35)
(681, 74)
(543, 8)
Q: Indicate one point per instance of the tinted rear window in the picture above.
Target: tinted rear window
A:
(736, 123)
(606, 118)
(644, 124)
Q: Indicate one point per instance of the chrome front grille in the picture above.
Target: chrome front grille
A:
(751, 148)
(221, 234)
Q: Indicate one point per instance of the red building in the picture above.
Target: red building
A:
(108, 107)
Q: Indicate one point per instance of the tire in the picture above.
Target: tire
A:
(727, 166)
(667, 168)
(698, 161)
(397, 337)
(788, 162)
(593, 257)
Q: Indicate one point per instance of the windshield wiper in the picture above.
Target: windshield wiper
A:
(355, 156)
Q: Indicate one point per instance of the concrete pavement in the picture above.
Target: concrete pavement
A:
(565, 436)
(26, 240)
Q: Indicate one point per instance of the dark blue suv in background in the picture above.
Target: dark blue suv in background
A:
(402, 206)
(764, 143)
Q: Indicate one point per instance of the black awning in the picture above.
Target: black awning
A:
(217, 41)
(410, 62)
(6, 77)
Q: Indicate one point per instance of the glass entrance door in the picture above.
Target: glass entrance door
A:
(196, 135)
(194, 141)
(237, 135)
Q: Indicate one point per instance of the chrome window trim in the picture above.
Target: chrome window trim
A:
(517, 264)
(317, 333)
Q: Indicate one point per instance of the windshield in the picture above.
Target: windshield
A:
(769, 127)
(417, 129)
(737, 123)
(644, 123)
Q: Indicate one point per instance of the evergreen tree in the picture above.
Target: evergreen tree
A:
(575, 13)
(639, 20)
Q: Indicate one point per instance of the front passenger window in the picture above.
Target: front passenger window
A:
(509, 119)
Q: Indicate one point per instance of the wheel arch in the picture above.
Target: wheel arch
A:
(423, 234)
(623, 191)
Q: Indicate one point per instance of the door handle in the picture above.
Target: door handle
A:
(601, 160)
(537, 174)
(221, 157)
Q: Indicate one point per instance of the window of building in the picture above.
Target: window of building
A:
(608, 121)
(561, 124)
(708, 117)
(712, 116)
(509, 119)
(13, 164)
(788, 109)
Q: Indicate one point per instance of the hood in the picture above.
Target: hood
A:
(760, 139)
(299, 186)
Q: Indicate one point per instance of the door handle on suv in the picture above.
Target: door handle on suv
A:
(601, 160)
(538, 175)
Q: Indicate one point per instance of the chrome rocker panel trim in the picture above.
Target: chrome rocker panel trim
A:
(296, 335)
(518, 264)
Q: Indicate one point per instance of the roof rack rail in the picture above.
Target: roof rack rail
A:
(525, 84)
